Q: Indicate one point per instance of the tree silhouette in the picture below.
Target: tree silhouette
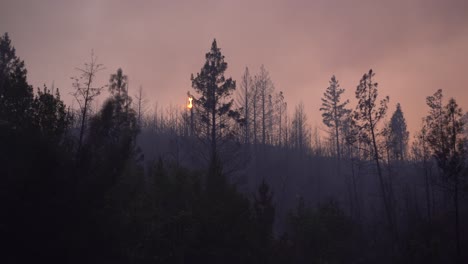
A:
(445, 138)
(368, 115)
(117, 206)
(398, 134)
(421, 152)
(118, 87)
(300, 131)
(245, 103)
(265, 88)
(16, 94)
(141, 105)
(84, 92)
(334, 111)
(49, 114)
(282, 117)
(264, 218)
(214, 102)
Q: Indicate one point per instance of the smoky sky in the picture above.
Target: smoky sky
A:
(415, 47)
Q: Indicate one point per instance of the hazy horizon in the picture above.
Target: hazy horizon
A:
(208, 185)
(415, 47)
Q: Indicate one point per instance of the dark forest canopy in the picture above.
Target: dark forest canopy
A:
(236, 177)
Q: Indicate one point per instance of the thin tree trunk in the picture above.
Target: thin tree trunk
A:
(355, 197)
(213, 126)
(428, 198)
(246, 114)
(457, 224)
(255, 117)
(381, 180)
(263, 116)
(83, 117)
(338, 152)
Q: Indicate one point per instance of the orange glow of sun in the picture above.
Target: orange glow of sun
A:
(189, 106)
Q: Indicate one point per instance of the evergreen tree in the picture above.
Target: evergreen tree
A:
(435, 120)
(118, 87)
(49, 114)
(321, 235)
(214, 103)
(264, 219)
(398, 134)
(16, 95)
(368, 115)
(334, 111)
(447, 142)
(300, 131)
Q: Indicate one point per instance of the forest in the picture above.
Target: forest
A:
(236, 176)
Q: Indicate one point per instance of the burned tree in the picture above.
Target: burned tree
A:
(84, 92)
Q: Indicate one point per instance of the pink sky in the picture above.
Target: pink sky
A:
(415, 47)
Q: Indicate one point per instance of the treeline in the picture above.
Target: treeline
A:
(233, 178)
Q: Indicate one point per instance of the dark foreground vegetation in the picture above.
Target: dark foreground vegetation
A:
(224, 181)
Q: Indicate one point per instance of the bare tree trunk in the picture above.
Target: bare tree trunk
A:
(355, 196)
(263, 115)
(338, 152)
(83, 116)
(428, 197)
(457, 224)
(280, 124)
(213, 126)
(255, 116)
(381, 180)
(140, 102)
(246, 115)
(456, 199)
